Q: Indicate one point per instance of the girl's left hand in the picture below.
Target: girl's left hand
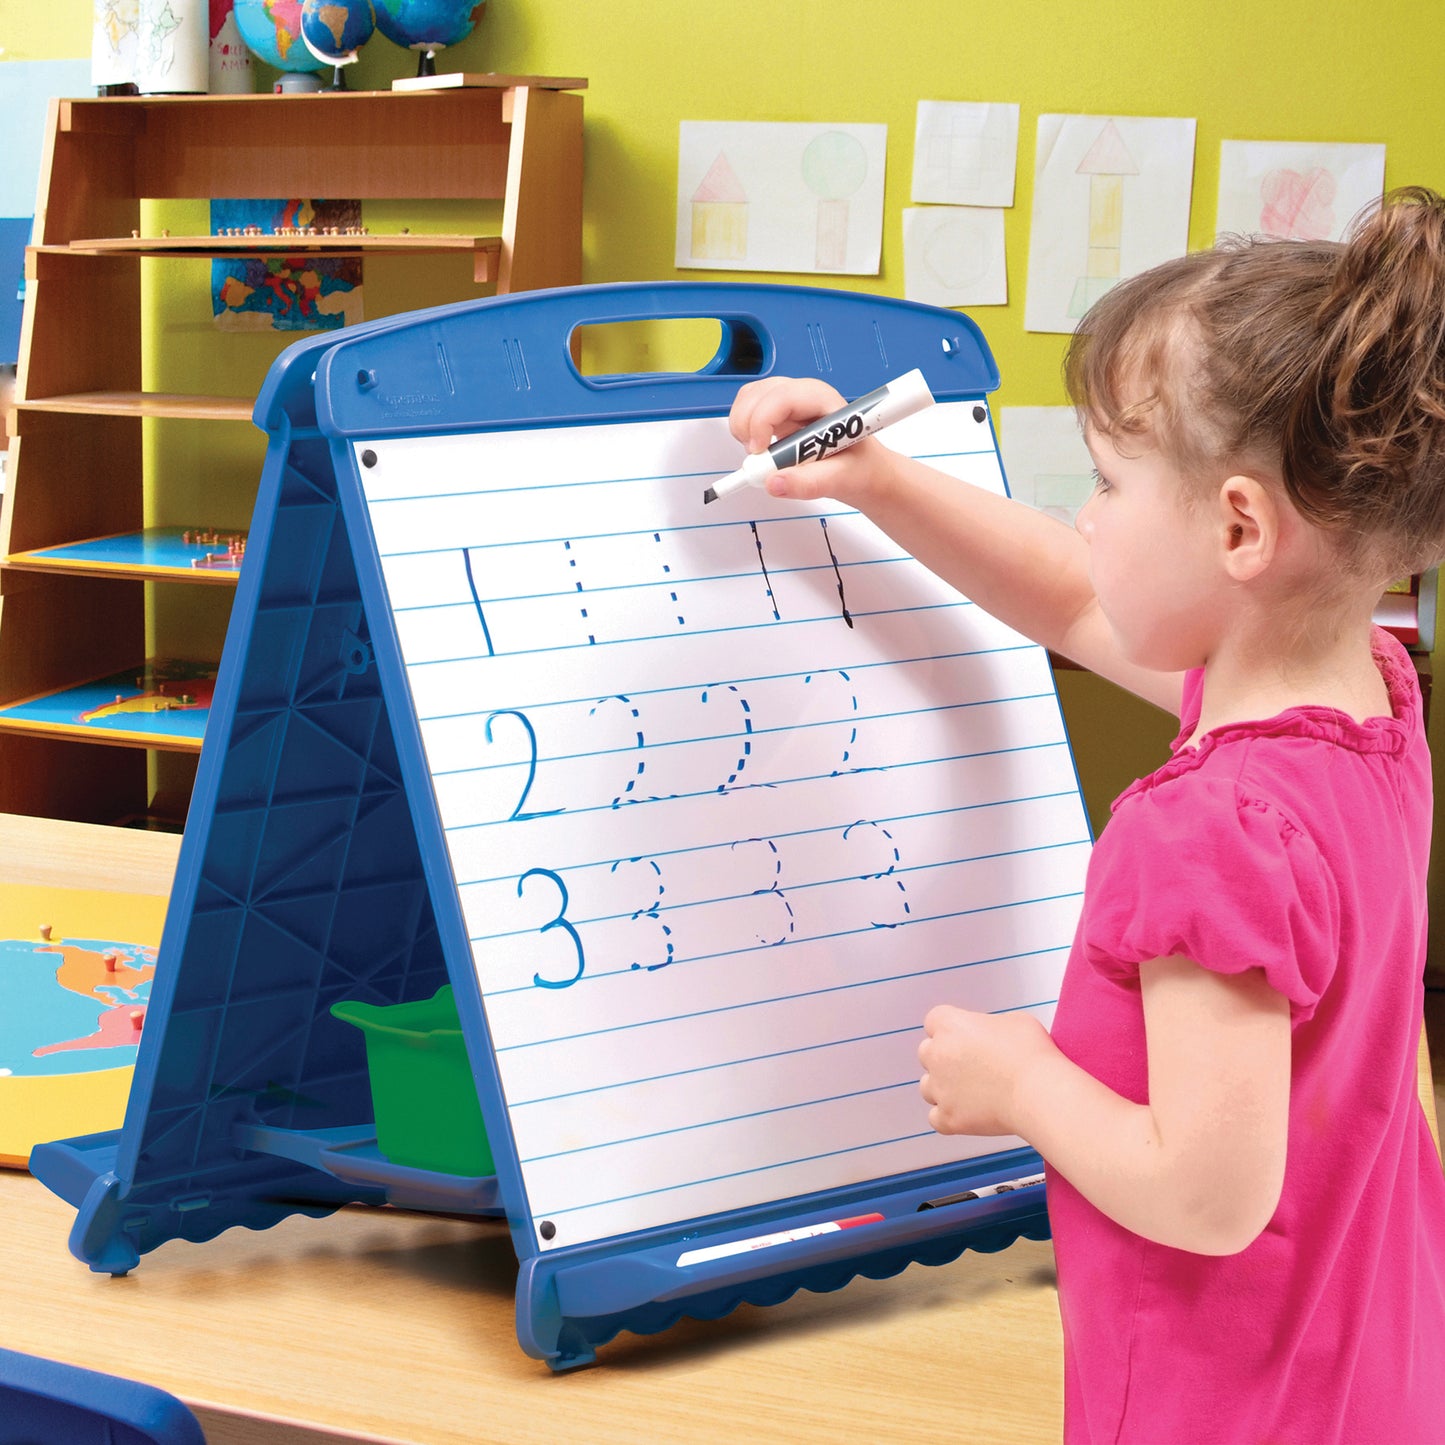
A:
(972, 1063)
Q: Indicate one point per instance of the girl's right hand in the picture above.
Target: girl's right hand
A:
(773, 408)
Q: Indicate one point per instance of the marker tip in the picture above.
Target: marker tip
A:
(709, 496)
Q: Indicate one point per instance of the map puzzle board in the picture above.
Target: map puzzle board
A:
(69, 1028)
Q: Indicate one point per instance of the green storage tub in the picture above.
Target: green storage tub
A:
(422, 1090)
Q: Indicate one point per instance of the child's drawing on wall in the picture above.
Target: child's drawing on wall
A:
(1111, 199)
(719, 215)
(1045, 459)
(964, 152)
(835, 166)
(763, 196)
(954, 256)
(1296, 190)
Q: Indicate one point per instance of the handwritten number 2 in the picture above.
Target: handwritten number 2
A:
(559, 920)
(517, 815)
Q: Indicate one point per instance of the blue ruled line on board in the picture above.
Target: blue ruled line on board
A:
(890, 819)
(891, 664)
(813, 778)
(803, 887)
(802, 1049)
(756, 732)
(817, 938)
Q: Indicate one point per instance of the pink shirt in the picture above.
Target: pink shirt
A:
(1298, 845)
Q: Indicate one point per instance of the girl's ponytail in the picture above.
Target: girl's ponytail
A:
(1363, 445)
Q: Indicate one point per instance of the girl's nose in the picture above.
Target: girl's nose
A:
(1084, 518)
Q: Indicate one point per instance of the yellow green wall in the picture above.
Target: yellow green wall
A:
(1272, 69)
(1334, 70)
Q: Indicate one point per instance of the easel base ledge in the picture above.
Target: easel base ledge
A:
(571, 1303)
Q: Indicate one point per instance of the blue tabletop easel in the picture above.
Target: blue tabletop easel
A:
(697, 810)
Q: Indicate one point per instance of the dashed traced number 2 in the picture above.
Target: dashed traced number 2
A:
(839, 685)
(720, 693)
(629, 792)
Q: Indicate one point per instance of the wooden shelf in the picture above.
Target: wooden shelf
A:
(80, 573)
(145, 403)
(155, 554)
(161, 705)
(484, 250)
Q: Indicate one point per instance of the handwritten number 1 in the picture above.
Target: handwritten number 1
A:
(477, 601)
(559, 920)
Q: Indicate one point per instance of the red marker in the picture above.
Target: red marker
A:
(766, 1241)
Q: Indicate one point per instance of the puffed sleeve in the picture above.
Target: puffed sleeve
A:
(1203, 870)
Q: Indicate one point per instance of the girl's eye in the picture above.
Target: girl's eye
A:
(1101, 482)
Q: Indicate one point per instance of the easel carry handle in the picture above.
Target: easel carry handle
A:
(507, 361)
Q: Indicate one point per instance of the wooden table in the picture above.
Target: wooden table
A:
(377, 1325)
(382, 1325)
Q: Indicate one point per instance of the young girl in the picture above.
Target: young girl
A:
(1248, 1211)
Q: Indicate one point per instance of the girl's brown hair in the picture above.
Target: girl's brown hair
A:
(1319, 363)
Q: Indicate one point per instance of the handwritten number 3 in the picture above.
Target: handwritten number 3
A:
(559, 920)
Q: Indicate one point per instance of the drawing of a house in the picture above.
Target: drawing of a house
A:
(1106, 163)
(720, 215)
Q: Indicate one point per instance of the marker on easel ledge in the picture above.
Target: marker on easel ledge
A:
(766, 1241)
(984, 1191)
(830, 433)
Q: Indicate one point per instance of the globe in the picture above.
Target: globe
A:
(272, 30)
(427, 25)
(334, 30)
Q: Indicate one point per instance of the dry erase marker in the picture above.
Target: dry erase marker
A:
(984, 1191)
(766, 1241)
(830, 433)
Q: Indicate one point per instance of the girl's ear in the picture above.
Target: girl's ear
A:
(1250, 515)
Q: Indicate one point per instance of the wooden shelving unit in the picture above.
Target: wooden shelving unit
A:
(74, 615)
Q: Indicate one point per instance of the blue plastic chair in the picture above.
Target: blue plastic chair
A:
(43, 1402)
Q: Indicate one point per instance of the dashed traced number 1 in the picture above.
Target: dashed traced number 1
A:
(763, 567)
(837, 573)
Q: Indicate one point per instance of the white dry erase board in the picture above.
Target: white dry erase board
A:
(731, 796)
(699, 809)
